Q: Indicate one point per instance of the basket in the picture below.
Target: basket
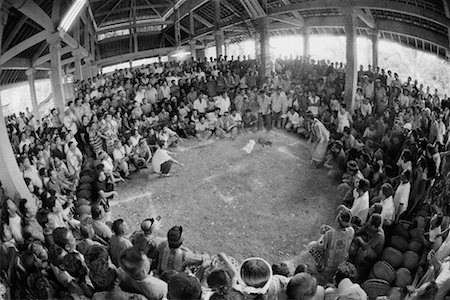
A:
(423, 213)
(84, 194)
(83, 210)
(416, 246)
(317, 251)
(410, 260)
(85, 186)
(87, 179)
(375, 288)
(401, 230)
(393, 256)
(420, 222)
(383, 270)
(82, 201)
(398, 242)
(416, 233)
(404, 277)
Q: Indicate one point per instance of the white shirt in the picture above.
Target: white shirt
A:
(293, 118)
(237, 118)
(223, 104)
(159, 158)
(360, 207)
(402, 196)
(200, 105)
(388, 212)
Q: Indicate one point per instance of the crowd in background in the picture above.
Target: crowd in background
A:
(388, 153)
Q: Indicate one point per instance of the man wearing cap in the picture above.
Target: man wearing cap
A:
(174, 256)
(144, 240)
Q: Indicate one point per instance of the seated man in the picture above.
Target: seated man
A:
(174, 256)
(336, 163)
(227, 126)
(162, 162)
(249, 121)
(236, 116)
(344, 279)
(293, 120)
(202, 130)
(183, 286)
(135, 277)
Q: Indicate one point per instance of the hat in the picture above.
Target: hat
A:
(407, 126)
(352, 166)
(339, 144)
(174, 237)
(183, 286)
(344, 217)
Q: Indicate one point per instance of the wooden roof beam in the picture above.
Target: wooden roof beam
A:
(34, 12)
(24, 45)
(203, 20)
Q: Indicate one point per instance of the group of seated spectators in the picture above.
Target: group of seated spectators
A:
(387, 151)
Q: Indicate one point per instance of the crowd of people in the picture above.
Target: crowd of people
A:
(388, 152)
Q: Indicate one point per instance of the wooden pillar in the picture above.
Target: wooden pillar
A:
(10, 175)
(76, 53)
(192, 42)
(56, 73)
(218, 33)
(305, 35)
(374, 39)
(351, 58)
(34, 104)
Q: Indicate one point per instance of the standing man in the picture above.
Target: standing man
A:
(264, 119)
(277, 99)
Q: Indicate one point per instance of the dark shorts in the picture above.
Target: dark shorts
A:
(165, 167)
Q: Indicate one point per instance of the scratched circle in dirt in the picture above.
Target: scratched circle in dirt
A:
(268, 203)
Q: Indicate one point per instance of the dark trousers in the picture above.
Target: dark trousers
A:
(165, 167)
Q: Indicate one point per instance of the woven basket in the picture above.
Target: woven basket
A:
(416, 246)
(383, 270)
(82, 201)
(398, 242)
(87, 179)
(423, 213)
(85, 186)
(83, 210)
(401, 230)
(393, 256)
(404, 277)
(410, 260)
(84, 194)
(376, 288)
(416, 233)
(420, 221)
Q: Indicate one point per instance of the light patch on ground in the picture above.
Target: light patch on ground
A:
(132, 199)
(283, 149)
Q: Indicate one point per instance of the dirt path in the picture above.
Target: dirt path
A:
(268, 203)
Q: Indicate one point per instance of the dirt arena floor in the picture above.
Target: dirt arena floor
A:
(268, 203)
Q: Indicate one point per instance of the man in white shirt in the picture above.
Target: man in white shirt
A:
(151, 94)
(201, 103)
(401, 196)
(162, 162)
(293, 120)
(223, 103)
(388, 212)
(277, 100)
(360, 207)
